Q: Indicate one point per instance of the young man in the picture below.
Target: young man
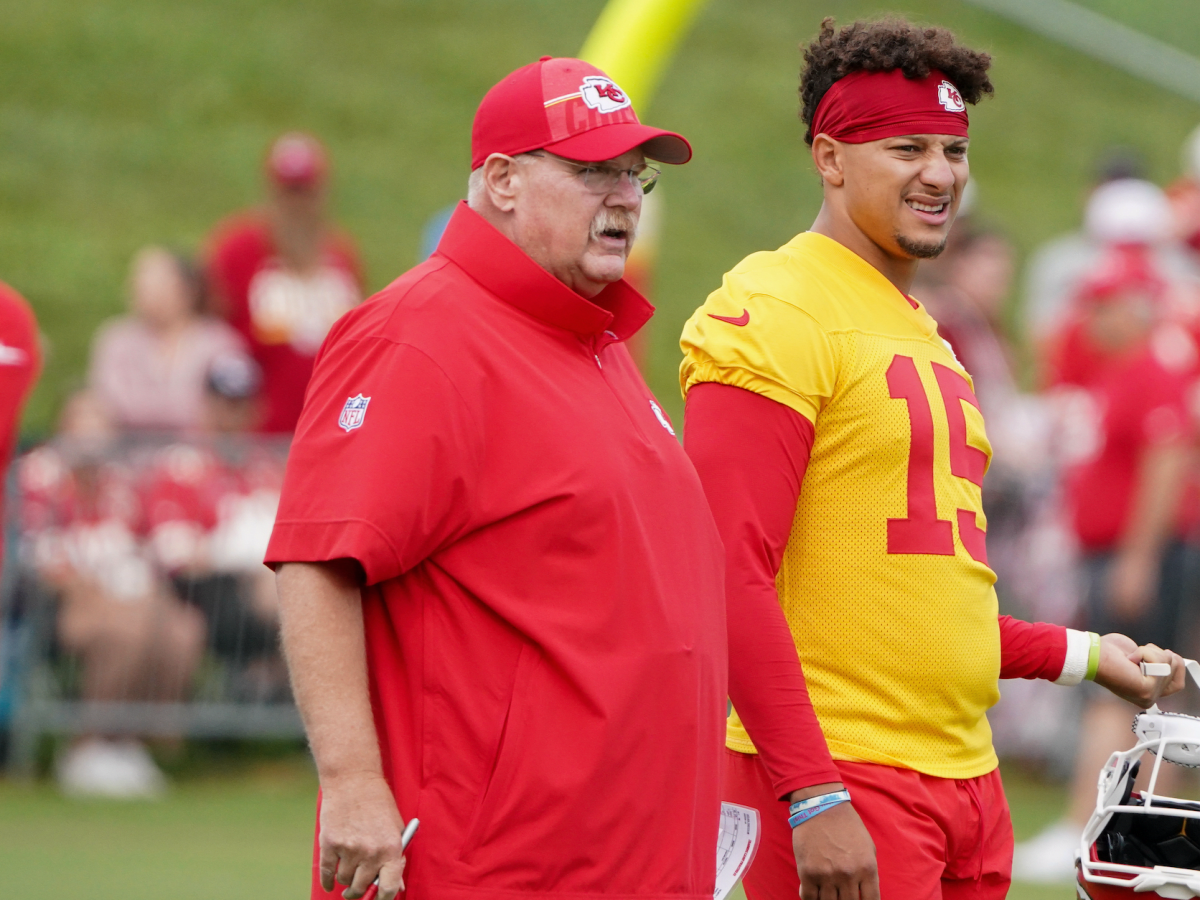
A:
(811, 365)
(499, 579)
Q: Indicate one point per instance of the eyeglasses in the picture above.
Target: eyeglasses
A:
(600, 179)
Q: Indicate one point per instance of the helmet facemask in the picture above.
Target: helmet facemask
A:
(1141, 841)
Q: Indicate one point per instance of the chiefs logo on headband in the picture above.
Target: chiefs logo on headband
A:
(950, 98)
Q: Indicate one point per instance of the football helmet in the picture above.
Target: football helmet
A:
(1140, 842)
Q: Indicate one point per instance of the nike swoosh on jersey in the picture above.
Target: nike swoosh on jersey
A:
(743, 319)
(12, 356)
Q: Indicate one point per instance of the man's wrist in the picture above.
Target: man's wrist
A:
(1093, 665)
(333, 777)
(1078, 657)
(815, 790)
(804, 810)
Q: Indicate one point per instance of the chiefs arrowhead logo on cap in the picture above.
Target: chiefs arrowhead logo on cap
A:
(950, 98)
(602, 94)
(570, 108)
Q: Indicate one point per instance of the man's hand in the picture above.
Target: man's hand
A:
(360, 832)
(834, 854)
(321, 621)
(1120, 673)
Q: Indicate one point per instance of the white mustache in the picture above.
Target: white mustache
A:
(615, 219)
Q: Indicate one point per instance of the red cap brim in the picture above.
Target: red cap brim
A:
(610, 141)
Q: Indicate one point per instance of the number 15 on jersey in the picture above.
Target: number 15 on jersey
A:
(922, 531)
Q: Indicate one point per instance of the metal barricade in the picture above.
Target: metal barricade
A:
(136, 603)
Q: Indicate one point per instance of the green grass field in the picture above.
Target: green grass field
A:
(243, 836)
(124, 122)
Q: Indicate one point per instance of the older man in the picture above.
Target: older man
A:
(500, 581)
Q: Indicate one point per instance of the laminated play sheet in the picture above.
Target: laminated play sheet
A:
(737, 842)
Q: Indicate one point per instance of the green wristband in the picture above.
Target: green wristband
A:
(1093, 656)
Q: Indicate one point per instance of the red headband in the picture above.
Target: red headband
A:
(869, 106)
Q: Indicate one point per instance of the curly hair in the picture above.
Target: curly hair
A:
(882, 45)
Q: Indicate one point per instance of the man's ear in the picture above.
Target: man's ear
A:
(501, 180)
(829, 158)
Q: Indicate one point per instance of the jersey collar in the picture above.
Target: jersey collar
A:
(851, 260)
(476, 247)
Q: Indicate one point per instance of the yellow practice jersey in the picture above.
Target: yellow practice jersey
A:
(884, 581)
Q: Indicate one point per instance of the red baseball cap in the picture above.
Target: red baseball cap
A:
(297, 160)
(570, 108)
(1127, 269)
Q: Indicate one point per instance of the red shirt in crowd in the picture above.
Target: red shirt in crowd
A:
(20, 362)
(542, 579)
(81, 517)
(1132, 403)
(211, 505)
(282, 314)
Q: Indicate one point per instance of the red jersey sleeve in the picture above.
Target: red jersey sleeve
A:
(1031, 649)
(384, 463)
(20, 362)
(751, 454)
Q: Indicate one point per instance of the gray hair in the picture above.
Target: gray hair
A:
(475, 188)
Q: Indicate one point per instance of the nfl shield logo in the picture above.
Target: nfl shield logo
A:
(353, 413)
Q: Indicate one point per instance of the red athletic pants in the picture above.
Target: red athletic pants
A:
(935, 838)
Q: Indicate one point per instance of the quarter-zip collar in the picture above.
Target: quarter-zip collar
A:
(476, 247)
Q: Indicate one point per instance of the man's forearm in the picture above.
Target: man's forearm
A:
(322, 632)
(1157, 498)
(751, 454)
(1031, 649)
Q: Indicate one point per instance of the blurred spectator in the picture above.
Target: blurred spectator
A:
(232, 392)
(20, 361)
(210, 506)
(967, 302)
(1029, 541)
(1055, 268)
(282, 276)
(1184, 195)
(1121, 208)
(82, 527)
(965, 293)
(148, 367)
(1129, 374)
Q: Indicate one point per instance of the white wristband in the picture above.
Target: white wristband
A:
(1074, 668)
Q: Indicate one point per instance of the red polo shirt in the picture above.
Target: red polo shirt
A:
(543, 579)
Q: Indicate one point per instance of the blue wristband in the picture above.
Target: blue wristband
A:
(803, 810)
